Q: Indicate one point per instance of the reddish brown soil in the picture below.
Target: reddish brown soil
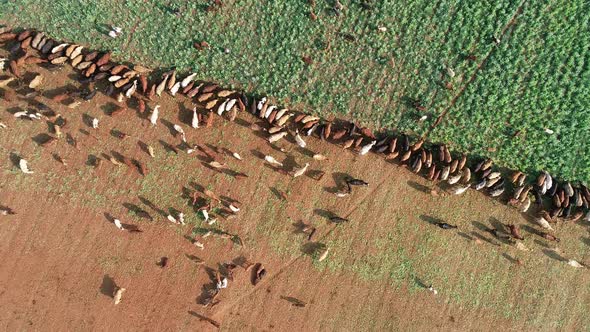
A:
(56, 259)
(59, 252)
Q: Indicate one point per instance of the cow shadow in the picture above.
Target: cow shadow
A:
(152, 206)
(483, 238)
(194, 259)
(466, 236)
(431, 220)
(419, 187)
(170, 127)
(497, 224)
(298, 227)
(204, 318)
(208, 290)
(276, 193)
(108, 286)
(138, 211)
(42, 139)
(552, 254)
(510, 258)
(312, 248)
(109, 108)
(324, 213)
(168, 147)
(420, 282)
(339, 182)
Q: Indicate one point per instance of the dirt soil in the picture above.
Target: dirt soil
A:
(62, 256)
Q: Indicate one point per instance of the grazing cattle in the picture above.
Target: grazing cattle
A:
(460, 189)
(405, 156)
(498, 233)
(445, 173)
(455, 178)
(160, 88)
(515, 176)
(259, 273)
(118, 294)
(348, 143)
(131, 90)
(541, 221)
(497, 192)
(299, 140)
(36, 81)
(24, 166)
(548, 181)
(431, 289)
(515, 231)
(300, 171)
(275, 137)
(283, 120)
(517, 192)
(319, 157)
(356, 182)
(575, 263)
(366, 148)
(163, 262)
(234, 208)
(154, 116)
(569, 190)
(172, 219)
(187, 80)
(4, 82)
(550, 237)
(324, 255)
(221, 108)
(338, 220)
(343, 193)
(5, 211)
(216, 164)
(480, 184)
(179, 130)
(126, 227)
(221, 283)
(525, 205)
(117, 223)
(271, 160)
(466, 178)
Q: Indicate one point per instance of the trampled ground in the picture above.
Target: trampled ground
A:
(492, 100)
(59, 252)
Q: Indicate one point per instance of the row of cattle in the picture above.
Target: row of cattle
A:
(554, 199)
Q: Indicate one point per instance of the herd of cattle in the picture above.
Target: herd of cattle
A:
(555, 200)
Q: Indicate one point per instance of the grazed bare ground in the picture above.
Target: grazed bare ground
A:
(59, 249)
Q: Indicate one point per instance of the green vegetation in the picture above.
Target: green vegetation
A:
(536, 78)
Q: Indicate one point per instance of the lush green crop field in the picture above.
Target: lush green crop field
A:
(536, 78)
